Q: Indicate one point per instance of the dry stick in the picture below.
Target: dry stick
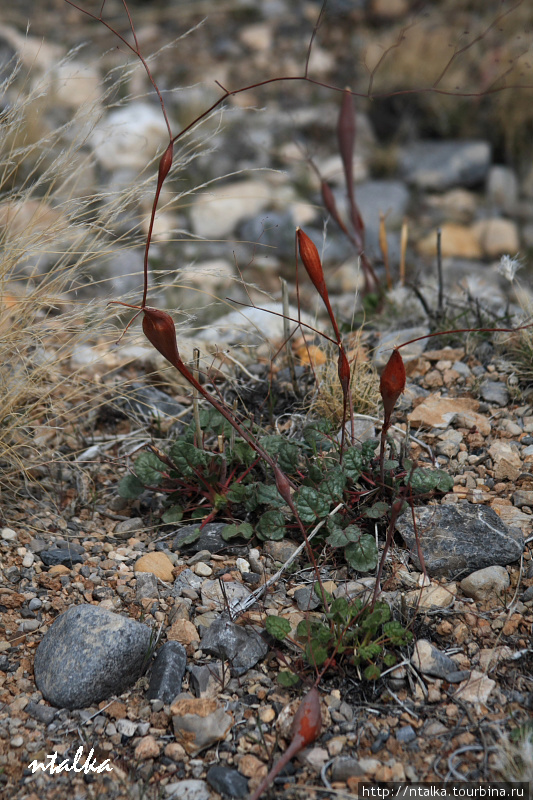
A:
(440, 278)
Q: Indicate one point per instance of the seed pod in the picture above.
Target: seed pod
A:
(159, 329)
(392, 384)
(165, 164)
(311, 262)
(343, 367)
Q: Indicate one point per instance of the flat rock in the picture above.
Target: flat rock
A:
(487, 583)
(216, 212)
(210, 539)
(168, 670)
(439, 412)
(207, 680)
(507, 461)
(252, 325)
(434, 596)
(187, 790)
(199, 723)
(243, 648)
(495, 393)
(214, 594)
(476, 689)
(437, 166)
(88, 655)
(459, 539)
(430, 661)
(157, 564)
(227, 781)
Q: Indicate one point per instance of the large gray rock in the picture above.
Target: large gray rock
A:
(456, 540)
(88, 655)
(439, 165)
(242, 648)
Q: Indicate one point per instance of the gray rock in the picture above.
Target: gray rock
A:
(458, 676)
(210, 539)
(439, 165)
(494, 392)
(88, 655)
(187, 790)
(406, 734)
(344, 768)
(185, 581)
(126, 528)
(490, 582)
(522, 497)
(430, 661)
(387, 196)
(146, 586)
(147, 403)
(459, 539)
(242, 648)
(306, 598)
(206, 678)
(279, 551)
(167, 672)
(41, 713)
(60, 555)
(227, 781)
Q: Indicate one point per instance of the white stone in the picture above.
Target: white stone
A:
(8, 534)
(129, 137)
(243, 565)
(251, 325)
(486, 583)
(126, 727)
(476, 689)
(216, 212)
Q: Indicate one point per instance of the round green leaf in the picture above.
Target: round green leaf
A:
(271, 525)
(278, 627)
(362, 555)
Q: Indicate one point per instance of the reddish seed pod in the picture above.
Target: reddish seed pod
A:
(308, 719)
(311, 262)
(343, 367)
(392, 382)
(165, 163)
(159, 329)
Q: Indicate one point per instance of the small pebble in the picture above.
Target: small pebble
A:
(202, 569)
(8, 534)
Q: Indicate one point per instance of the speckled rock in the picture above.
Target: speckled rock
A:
(88, 655)
(486, 583)
(459, 539)
(167, 672)
(243, 648)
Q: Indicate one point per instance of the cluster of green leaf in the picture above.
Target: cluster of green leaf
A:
(200, 483)
(363, 634)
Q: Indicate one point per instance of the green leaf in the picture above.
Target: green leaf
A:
(286, 453)
(186, 456)
(368, 450)
(271, 525)
(278, 627)
(269, 495)
(316, 435)
(380, 615)
(372, 673)
(332, 485)
(288, 679)
(237, 492)
(148, 469)
(130, 487)
(244, 530)
(315, 652)
(389, 659)
(445, 482)
(378, 510)
(352, 463)
(311, 504)
(339, 610)
(323, 595)
(390, 463)
(396, 633)
(313, 630)
(173, 514)
(362, 555)
(342, 538)
(190, 538)
(369, 651)
(243, 453)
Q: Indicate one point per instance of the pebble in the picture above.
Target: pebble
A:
(157, 564)
(89, 654)
(430, 661)
(243, 648)
(8, 535)
(188, 790)
(406, 734)
(147, 748)
(167, 673)
(203, 570)
(199, 723)
(486, 584)
(227, 781)
(126, 528)
(126, 727)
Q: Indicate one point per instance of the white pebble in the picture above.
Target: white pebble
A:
(202, 569)
(243, 565)
(28, 560)
(8, 534)
(17, 741)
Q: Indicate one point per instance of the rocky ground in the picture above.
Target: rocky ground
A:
(208, 715)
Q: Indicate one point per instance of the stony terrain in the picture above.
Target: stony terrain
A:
(147, 668)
